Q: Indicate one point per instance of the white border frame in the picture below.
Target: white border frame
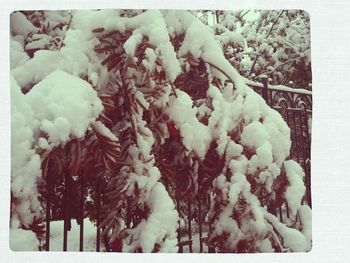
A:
(330, 35)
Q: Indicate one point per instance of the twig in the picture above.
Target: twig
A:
(222, 71)
(217, 16)
(65, 33)
(245, 13)
(173, 89)
(274, 23)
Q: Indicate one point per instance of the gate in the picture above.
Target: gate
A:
(295, 106)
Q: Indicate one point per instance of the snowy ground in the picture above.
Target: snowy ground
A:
(56, 236)
(195, 244)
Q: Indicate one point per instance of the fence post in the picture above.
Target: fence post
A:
(265, 91)
(82, 201)
(48, 211)
(98, 205)
(128, 212)
(65, 212)
(211, 249)
(200, 225)
(189, 218)
(308, 155)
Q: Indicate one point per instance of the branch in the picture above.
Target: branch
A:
(173, 89)
(217, 16)
(252, 68)
(245, 13)
(222, 71)
(274, 23)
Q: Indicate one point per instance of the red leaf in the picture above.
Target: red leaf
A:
(98, 30)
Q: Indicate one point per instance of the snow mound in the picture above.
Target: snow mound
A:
(63, 106)
(58, 107)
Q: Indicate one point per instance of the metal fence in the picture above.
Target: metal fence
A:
(294, 105)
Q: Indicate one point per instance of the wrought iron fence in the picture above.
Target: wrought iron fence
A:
(294, 105)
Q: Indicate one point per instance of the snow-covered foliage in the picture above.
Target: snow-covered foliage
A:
(276, 43)
(59, 107)
(151, 98)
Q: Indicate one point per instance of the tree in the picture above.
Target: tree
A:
(163, 106)
(276, 43)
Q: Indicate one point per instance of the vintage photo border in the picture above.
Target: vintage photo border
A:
(330, 37)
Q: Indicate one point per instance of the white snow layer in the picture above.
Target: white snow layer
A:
(20, 24)
(73, 58)
(149, 24)
(56, 236)
(196, 136)
(23, 240)
(296, 189)
(292, 238)
(63, 106)
(159, 227)
(17, 55)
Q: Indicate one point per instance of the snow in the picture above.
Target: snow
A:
(296, 188)
(160, 226)
(278, 87)
(195, 244)
(56, 236)
(25, 163)
(265, 246)
(26, 240)
(30, 73)
(131, 44)
(150, 59)
(23, 240)
(103, 130)
(58, 107)
(233, 150)
(229, 37)
(288, 89)
(226, 224)
(254, 135)
(239, 165)
(38, 41)
(20, 24)
(17, 55)
(150, 24)
(74, 57)
(291, 237)
(305, 215)
(195, 135)
(63, 106)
